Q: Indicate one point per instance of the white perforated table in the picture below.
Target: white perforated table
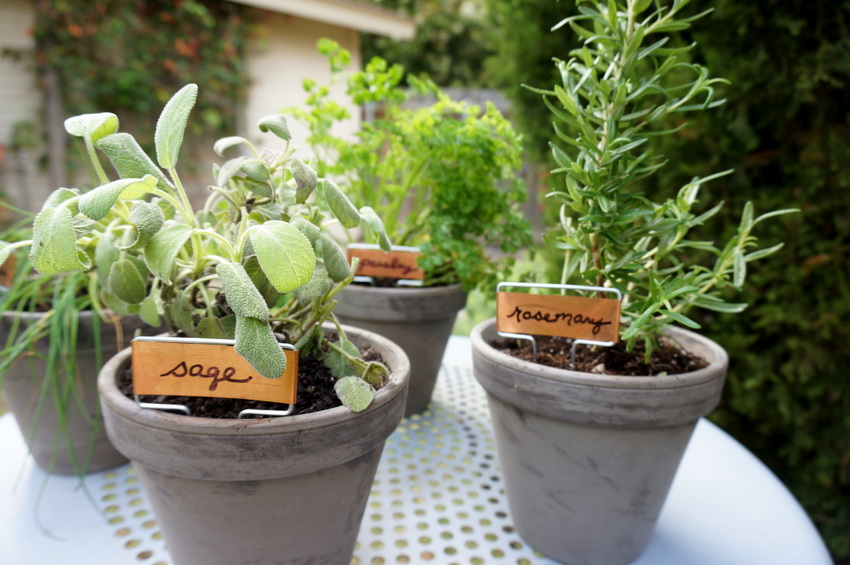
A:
(437, 498)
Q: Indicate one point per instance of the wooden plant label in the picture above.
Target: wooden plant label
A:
(7, 271)
(392, 265)
(210, 370)
(577, 317)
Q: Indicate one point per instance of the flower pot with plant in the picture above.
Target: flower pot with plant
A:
(254, 267)
(55, 336)
(444, 178)
(589, 447)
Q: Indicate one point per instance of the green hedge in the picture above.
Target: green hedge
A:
(786, 131)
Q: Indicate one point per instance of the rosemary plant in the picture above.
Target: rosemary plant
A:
(623, 87)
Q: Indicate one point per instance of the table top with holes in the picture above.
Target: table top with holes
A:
(437, 498)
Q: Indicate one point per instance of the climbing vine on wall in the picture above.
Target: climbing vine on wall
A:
(129, 56)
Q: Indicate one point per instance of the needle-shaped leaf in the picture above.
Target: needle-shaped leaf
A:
(258, 345)
(161, 251)
(172, 125)
(54, 243)
(285, 254)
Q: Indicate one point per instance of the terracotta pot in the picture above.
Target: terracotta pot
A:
(420, 320)
(271, 491)
(588, 459)
(64, 437)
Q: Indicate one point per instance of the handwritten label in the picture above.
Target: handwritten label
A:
(577, 317)
(7, 271)
(210, 370)
(393, 265)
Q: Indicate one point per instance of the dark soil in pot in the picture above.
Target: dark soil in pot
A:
(668, 359)
(315, 393)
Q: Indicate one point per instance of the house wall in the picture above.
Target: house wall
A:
(283, 55)
(21, 181)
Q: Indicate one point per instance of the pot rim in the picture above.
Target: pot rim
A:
(251, 427)
(709, 350)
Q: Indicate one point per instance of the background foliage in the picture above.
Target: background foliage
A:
(129, 57)
(785, 130)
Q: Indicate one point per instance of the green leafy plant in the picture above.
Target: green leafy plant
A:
(619, 90)
(443, 177)
(251, 265)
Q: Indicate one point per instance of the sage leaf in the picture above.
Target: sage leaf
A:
(149, 312)
(318, 286)
(258, 345)
(242, 296)
(106, 253)
(341, 207)
(60, 197)
(211, 328)
(376, 226)
(336, 263)
(54, 243)
(374, 373)
(181, 314)
(276, 124)
(161, 251)
(305, 180)
(147, 219)
(171, 125)
(97, 202)
(92, 126)
(130, 161)
(338, 362)
(310, 230)
(226, 143)
(285, 254)
(127, 282)
(258, 170)
(258, 277)
(119, 306)
(355, 393)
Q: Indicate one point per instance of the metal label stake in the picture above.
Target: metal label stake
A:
(211, 376)
(580, 318)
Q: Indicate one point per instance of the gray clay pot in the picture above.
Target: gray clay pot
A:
(588, 459)
(63, 448)
(288, 490)
(420, 320)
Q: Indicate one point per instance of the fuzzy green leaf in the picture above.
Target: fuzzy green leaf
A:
(130, 161)
(285, 254)
(355, 393)
(147, 219)
(182, 315)
(242, 296)
(216, 328)
(54, 243)
(305, 180)
(92, 126)
(376, 226)
(276, 123)
(335, 260)
(172, 124)
(127, 282)
(338, 362)
(161, 251)
(318, 286)
(310, 230)
(226, 143)
(341, 207)
(97, 202)
(258, 345)
(148, 312)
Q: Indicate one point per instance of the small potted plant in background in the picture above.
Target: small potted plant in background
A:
(255, 266)
(444, 178)
(589, 452)
(55, 335)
